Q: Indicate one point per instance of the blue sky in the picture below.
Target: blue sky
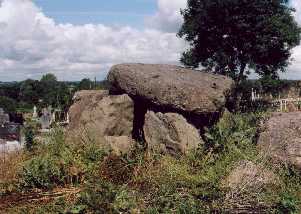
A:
(109, 12)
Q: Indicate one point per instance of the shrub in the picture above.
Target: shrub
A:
(288, 204)
(91, 156)
(29, 139)
(57, 163)
(42, 172)
(51, 165)
(100, 196)
(288, 197)
(233, 129)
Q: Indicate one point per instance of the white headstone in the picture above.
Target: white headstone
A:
(35, 114)
(252, 95)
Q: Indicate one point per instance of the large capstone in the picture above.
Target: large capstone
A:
(171, 88)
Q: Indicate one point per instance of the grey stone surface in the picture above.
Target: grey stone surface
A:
(171, 87)
(98, 117)
(170, 133)
(281, 139)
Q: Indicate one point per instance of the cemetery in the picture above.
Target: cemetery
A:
(12, 133)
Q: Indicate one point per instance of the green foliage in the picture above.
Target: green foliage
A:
(29, 138)
(174, 201)
(50, 166)
(100, 196)
(288, 204)
(48, 78)
(30, 91)
(54, 93)
(58, 163)
(288, 197)
(11, 90)
(270, 85)
(60, 205)
(239, 130)
(9, 105)
(22, 96)
(85, 84)
(42, 172)
(234, 36)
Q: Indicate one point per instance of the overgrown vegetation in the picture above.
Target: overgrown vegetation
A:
(151, 183)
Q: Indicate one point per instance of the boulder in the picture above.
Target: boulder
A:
(281, 139)
(170, 87)
(99, 117)
(170, 133)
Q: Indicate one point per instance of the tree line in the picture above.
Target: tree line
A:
(48, 91)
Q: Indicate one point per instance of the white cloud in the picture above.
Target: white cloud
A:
(32, 44)
(168, 18)
(294, 70)
(297, 5)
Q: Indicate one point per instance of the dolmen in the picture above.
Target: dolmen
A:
(165, 107)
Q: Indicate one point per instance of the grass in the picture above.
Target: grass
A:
(141, 182)
(10, 164)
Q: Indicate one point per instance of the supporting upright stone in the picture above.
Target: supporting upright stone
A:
(170, 133)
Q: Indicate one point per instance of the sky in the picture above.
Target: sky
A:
(84, 38)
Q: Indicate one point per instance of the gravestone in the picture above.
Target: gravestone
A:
(45, 119)
(35, 114)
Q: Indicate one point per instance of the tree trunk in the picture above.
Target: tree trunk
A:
(238, 94)
(241, 73)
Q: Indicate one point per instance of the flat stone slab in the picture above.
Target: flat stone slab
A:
(171, 87)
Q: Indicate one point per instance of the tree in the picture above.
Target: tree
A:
(64, 96)
(85, 84)
(49, 78)
(29, 139)
(11, 90)
(9, 105)
(50, 87)
(30, 91)
(234, 37)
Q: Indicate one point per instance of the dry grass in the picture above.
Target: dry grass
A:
(10, 165)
